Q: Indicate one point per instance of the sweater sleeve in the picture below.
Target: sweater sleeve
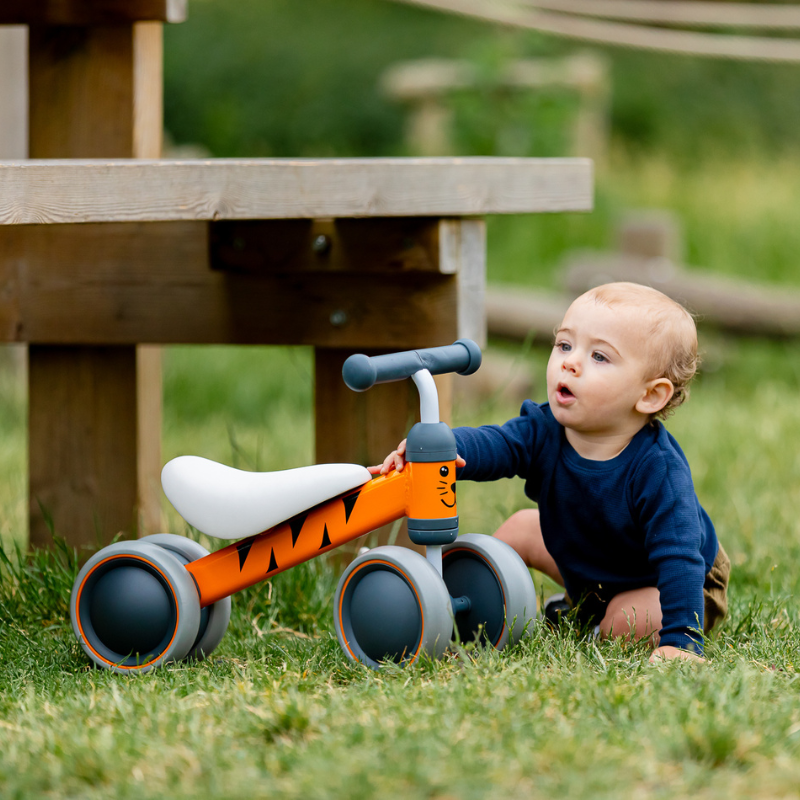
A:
(501, 451)
(670, 515)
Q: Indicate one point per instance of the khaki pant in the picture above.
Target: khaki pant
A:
(715, 591)
(592, 607)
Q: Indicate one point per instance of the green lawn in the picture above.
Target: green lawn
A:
(279, 712)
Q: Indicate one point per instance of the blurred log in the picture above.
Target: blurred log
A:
(730, 304)
(651, 233)
(520, 313)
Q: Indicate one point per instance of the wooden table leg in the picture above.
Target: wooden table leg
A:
(95, 412)
(82, 443)
(92, 410)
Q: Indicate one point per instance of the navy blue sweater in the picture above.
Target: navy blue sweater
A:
(610, 526)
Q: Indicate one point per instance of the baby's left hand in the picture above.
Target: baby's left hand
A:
(667, 652)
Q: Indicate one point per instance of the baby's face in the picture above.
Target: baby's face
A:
(598, 369)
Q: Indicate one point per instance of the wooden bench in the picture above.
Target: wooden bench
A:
(104, 257)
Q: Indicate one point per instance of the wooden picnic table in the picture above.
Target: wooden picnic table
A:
(107, 252)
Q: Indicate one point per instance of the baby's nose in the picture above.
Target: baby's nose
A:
(570, 364)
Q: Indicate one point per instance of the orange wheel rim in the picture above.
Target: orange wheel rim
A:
(395, 568)
(86, 641)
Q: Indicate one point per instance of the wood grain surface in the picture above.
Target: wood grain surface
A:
(125, 283)
(53, 191)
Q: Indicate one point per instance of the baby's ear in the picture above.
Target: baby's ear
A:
(657, 394)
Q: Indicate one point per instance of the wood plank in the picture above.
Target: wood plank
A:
(94, 447)
(78, 76)
(82, 443)
(151, 283)
(149, 406)
(133, 191)
(426, 78)
(394, 245)
(90, 12)
(13, 92)
(463, 253)
(148, 89)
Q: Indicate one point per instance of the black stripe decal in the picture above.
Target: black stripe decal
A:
(243, 549)
(349, 505)
(273, 564)
(326, 540)
(296, 524)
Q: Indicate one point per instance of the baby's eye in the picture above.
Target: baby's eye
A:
(599, 357)
(564, 347)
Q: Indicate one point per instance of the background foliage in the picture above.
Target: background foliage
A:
(300, 78)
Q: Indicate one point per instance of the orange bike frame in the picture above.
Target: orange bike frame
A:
(421, 490)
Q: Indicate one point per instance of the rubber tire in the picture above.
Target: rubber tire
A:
(417, 580)
(174, 586)
(514, 604)
(214, 619)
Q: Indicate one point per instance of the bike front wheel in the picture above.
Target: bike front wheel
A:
(392, 606)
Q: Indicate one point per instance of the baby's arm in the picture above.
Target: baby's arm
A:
(494, 451)
(674, 526)
(396, 460)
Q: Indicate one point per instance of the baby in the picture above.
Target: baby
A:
(618, 522)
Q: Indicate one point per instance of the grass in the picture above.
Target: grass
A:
(278, 712)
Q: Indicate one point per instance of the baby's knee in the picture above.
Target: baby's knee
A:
(523, 532)
(629, 622)
(521, 529)
(619, 622)
(525, 521)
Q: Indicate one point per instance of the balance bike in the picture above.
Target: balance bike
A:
(139, 604)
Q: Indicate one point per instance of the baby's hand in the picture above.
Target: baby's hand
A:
(668, 652)
(396, 460)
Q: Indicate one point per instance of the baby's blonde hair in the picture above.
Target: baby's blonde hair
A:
(671, 335)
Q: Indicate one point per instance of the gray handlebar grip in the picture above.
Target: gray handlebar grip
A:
(362, 372)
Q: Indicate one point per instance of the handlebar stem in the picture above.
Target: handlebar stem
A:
(428, 396)
(433, 552)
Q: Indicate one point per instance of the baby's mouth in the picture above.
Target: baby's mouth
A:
(564, 393)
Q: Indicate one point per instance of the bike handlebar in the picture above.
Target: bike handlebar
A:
(362, 372)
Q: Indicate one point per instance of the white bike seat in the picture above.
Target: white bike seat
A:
(230, 503)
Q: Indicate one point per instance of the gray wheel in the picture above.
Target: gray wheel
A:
(391, 605)
(214, 619)
(134, 607)
(499, 587)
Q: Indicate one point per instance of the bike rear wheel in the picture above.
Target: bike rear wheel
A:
(214, 619)
(499, 587)
(134, 607)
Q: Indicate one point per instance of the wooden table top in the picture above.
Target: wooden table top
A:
(133, 190)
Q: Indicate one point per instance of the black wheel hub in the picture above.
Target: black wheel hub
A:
(466, 574)
(127, 611)
(384, 615)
